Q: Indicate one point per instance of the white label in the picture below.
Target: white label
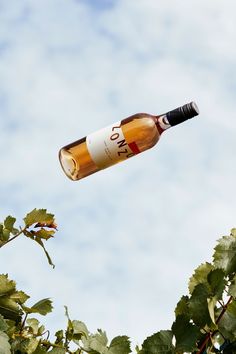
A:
(108, 146)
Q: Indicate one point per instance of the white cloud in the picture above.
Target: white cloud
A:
(130, 236)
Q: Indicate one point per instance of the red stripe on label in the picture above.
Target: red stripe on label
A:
(134, 147)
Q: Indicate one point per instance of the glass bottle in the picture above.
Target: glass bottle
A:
(119, 141)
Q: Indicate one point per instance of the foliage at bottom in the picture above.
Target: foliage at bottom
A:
(205, 319)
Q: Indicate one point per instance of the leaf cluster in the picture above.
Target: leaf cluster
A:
(22, 334)
(205, 319)
(39, 226)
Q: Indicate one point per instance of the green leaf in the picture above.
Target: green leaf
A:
(19, 297)
(186, 334)
(43, 307)
(199, 276)
(227, 324)
(12, 327)
(44, 234)
(198, 306)
(10, 314)
(10, 299)
(78, 329)
(158, 343)
(3, 324)
(31, 345)
(4, 343)
(120, 345)
(9, 309)
(96, 343)
(5, 235)
(233, 232)
(24, 345)
(41, 350)
(59, 336)
(9, 223)
(33, 324)
(232, 287)
(6, 286)
(225, 253)
(58, 351)
(182, 307)
(217, 282)
(39, 216)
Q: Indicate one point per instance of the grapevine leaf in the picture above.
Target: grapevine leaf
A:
(39, 216)
(227, 324)
(43, 307)
(199, 276)
(199, 307)
(9, 313)
(4, 343)
(79, 329)
(217, 282)
(96, 343)
(30, 345)
(233, 232)
(232, 287)
(59, 336)
(8, 303)
(5, 235)
(3, 324)
(186, 334)
(9, 223)
(44, 234)
(19, 297)
(158, 343)
(40, 350)
(120, 345)
(58, 351)
(33, 323)
(12, 327)
(9, 308)
(182, 307)
(6, 286)
(24, 345)
(225, 253)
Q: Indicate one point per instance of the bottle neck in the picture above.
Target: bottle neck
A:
(177, 116)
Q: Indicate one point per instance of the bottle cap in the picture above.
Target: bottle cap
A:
(182, 113)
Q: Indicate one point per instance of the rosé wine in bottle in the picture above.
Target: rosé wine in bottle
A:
(119, 141)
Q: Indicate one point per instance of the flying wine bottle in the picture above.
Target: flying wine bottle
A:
(119, 141)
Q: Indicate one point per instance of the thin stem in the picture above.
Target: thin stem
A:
(221, 303)
(23, 323)
(206, 340)
(224, 309)
(54, 345)
(48, 334)
(13, 238)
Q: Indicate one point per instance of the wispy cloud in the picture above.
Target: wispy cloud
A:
(130, 236)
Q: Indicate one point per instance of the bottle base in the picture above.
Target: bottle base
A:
(68, 164)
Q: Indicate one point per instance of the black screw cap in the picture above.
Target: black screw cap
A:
(182, 113)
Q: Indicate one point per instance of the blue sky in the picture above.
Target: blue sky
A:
(129, 236)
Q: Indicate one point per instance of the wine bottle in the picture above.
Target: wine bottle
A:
(119, 141)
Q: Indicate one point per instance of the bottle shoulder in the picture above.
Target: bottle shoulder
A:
(142, 129)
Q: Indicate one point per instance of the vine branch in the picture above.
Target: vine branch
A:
(208, 336)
